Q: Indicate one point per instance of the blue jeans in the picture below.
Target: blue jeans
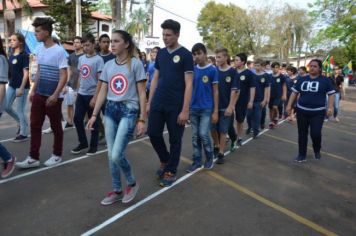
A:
(336, 104)
(18, 115)
(120, 122)
(81, 108)
(254, 117)
(4, 153)
(200, 120)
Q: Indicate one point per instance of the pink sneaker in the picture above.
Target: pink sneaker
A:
(8, 168)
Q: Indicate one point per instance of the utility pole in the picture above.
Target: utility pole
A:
(78, 18)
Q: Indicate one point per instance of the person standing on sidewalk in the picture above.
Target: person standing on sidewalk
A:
(19, 85)
(169, 99)
(123, 85)
(338, 83)
(45, 95)
(311, 108)
(90, 66)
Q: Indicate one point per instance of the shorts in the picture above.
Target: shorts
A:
(240, 113)
(223, 124)
(70, 97)
(274, 102)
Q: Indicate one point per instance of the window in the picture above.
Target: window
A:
(105, 28)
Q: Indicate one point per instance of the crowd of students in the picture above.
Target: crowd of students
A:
(176, 86)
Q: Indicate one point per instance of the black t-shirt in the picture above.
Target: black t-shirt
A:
(337, 82)
(17, 64)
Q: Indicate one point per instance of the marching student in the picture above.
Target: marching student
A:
(72, 83)
(302, 71)
(104, 45)
(247, 92)
(8, 159)
(338, 83)
(278, 94)
(123, 86)
(90, 66)
(169, 99)
(311, 108)
(203, 107)
(19, 85)
(45, 94)
(151, 69)
(228, 95)
(261, 98)
(291, 79)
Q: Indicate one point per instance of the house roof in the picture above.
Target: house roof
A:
(15, 4)
(100, 16)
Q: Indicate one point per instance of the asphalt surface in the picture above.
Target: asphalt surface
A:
(258, 191)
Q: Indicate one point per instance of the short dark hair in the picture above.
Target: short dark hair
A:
(89, 38)
(199, 47)
(157, 48)
(292, 69)
(172, 25)
(103, 36)
(319, 62)
(79, 38)
(303, 68)
(46, 23)
(242, 56)
(222, 50)
(259, 61)
(274, 64)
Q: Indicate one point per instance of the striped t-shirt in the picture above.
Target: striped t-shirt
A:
(50, 61)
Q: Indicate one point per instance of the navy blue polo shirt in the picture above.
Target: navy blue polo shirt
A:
(107, 57)
(17, 64)
(313, 92)
(277, 82)
(172, 67)
(227, 82)
(247, 82)
(262, 82)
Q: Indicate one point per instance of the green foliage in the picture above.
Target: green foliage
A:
(65, 16)
(137, 25)
(340, 55)
(103, 7)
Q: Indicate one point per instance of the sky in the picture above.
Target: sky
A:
(190, 10)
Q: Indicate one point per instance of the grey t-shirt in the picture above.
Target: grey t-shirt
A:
(89, 67)
(122, 81)
(73, 63)
(4, 76)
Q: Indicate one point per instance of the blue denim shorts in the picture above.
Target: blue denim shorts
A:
(223, 124)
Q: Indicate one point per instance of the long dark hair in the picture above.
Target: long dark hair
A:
(131, 48)
(21, 39)
(2, 51)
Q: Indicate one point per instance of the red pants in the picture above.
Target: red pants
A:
(39, 110)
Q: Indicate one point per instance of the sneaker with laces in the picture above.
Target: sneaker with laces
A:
(92, 151)
(8, 167)
(317, 155)
(130, 193)
(233, 145)
(209, 163)
(160, 171)
(53, 160)
(168, 179)
(111, 198)
(216, 152)
(20, 138)
(193, 167)
(300, 159)
(79, 148)
(220, 159)
(29, 162)
(239, 142)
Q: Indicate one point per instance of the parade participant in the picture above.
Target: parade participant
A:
(338, 83)
(151, 69)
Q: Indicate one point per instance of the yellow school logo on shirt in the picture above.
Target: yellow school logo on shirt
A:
(262, 80)
(242, 78)
(278, 80)
(228, 79)
(176, 58)
(14, 61)
(205, 79)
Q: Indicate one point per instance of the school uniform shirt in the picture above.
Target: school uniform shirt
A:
(262, 81)
(203, 80)
(122, 81)
(245, 78)
(73, 61)
(172, 67)
(50, 61)
(17, 64)
(313, 92)
(227, 82)
(89, 67)
(107, 57)
(4, 74)
(337, 81)
(289, 83)
(150, 72)
(277, 82)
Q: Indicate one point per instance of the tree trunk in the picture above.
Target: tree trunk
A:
(116, 14)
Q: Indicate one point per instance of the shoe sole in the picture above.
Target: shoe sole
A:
(49, 165)
(91, 153)
(110, 203)
(12, 170)
(77, 152)
(28, 166)
(20, 140)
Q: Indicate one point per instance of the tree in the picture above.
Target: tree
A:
(64, 15)
(104, 7)
(138, 25)
(224, 26)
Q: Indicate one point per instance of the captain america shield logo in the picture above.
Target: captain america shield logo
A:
(119, 84)
(85, 71)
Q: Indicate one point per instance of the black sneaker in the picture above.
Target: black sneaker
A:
(220, 159)
(255, 135)
(20, 138)
(79, 148)
(300, 159)
(239, 142)
(216, 151)
(92, 151)
(317, 156)
(68, 125)
(262, 126)
(248, 131)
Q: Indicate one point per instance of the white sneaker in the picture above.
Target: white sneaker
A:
(28, 163)
(53, 160)
(47, 131)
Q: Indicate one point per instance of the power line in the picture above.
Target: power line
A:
(163, 9)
